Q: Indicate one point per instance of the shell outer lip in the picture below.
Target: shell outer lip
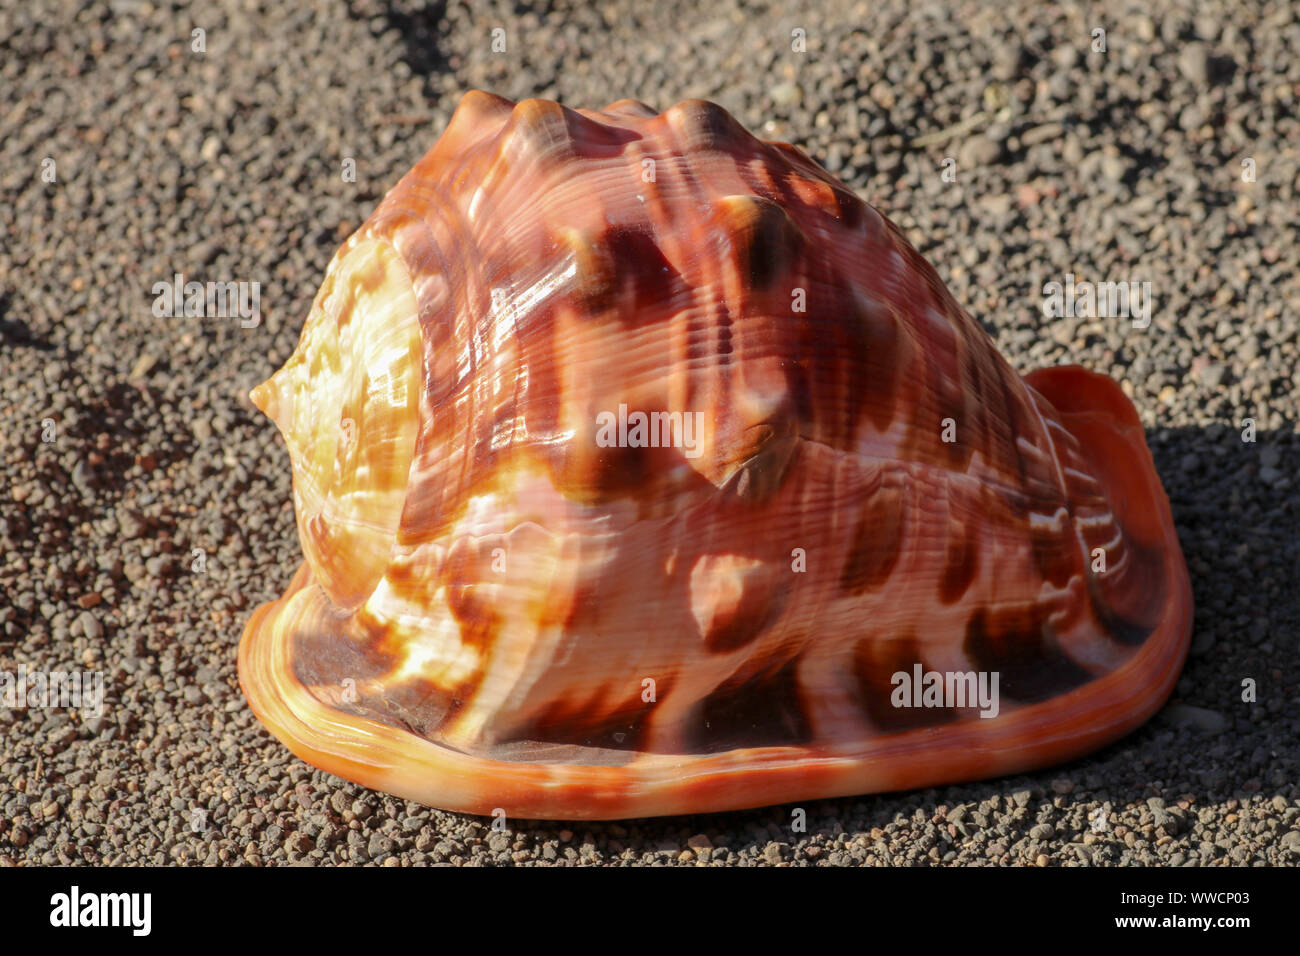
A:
(383, 758)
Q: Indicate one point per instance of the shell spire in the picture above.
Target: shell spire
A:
(641, 468)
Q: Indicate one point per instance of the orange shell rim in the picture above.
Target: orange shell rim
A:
(383, 758)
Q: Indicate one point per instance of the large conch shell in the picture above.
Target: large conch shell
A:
(641, 468)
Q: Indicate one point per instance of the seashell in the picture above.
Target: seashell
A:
(641, 468)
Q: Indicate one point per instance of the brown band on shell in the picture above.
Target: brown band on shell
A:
(594, 475)
(644, 278)
(876, 660)
(1129, 604)
(1020, 645)
(595, 280)
(849, 209)
(1126, 631)
(764, 711)
(961, 560)
(880, 354)
(877, 540)
(759, 238)
(610, 719)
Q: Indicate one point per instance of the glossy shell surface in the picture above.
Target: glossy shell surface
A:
(515, 597)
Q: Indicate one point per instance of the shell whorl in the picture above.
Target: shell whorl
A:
(770, 286)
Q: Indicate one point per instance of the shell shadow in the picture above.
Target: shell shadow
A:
(16, 332)
(420, 32)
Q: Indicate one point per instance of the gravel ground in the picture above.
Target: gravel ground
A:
(225, 165)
